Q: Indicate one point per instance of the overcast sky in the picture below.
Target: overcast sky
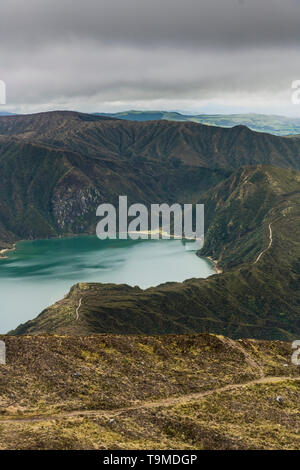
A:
(189, 55)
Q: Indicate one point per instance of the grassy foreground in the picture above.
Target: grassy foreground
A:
(137, 392)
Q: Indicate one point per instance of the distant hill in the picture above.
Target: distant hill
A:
(278, 125)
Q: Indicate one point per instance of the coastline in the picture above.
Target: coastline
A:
(14, 246)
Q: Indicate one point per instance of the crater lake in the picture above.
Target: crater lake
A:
(38, 273)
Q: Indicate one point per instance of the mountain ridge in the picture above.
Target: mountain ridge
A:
(191, 143)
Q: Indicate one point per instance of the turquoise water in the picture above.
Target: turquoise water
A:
(38, 273)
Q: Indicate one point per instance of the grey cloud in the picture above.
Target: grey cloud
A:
(116, 70)
(98, 53)
(202, 22)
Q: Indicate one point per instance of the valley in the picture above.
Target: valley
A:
(56, 168)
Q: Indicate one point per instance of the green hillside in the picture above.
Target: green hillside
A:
(47, 191)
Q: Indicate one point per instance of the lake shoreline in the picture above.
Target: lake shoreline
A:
(87, 234)
(5, 250)
(215, 264)
(39, 273)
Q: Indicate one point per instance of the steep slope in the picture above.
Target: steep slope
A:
(47, 191)
(239, 209)
(252, 298)
(137, 392)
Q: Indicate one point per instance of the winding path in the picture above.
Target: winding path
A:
(248, 358)
(77, 309)
(150, 405)
(268, 247)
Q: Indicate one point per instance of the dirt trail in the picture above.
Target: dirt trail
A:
(77, 309)
(248, 358)
(164, 402)
(268, 247)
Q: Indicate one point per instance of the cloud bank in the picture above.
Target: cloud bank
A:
(191, 55)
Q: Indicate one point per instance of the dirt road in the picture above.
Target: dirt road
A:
(162, 403)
